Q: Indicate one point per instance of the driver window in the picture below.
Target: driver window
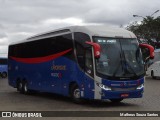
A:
(89, 62)
(84, 54)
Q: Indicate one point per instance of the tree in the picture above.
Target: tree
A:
(149, 29)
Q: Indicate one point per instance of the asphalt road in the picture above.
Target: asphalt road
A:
(11, 100)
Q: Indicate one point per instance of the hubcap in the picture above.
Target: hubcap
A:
(20, 85)
(4, 75)
(25, 87)
(77, 93)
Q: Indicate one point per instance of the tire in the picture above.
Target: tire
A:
(25, 87)
(116, 100)
(20, 86)
(4, 74)
(76, 94)
(152, 74)
(26, 90)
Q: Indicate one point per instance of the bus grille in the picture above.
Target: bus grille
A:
(123, 89)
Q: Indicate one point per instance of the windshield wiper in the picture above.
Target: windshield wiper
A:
(120, 63)
(127, 64)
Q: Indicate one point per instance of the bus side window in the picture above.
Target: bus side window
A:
(80, 56)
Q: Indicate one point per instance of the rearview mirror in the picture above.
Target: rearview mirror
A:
(96, 48)
(150, 48)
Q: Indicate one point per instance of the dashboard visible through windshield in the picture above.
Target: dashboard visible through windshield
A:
(120, 58)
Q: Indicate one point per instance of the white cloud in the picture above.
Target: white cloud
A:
(71, 21)
(3, 41)
(20, 19)
(3, 51)
(23, 33)
(18, 36)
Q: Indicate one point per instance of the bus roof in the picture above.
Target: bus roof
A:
(98, 30)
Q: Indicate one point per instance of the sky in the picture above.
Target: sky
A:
(20, 19)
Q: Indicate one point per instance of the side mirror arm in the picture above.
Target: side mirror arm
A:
(96, 48)
(151, 50)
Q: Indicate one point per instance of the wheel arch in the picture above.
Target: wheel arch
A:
(71, 85)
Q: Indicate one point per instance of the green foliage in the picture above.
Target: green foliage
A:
(149, 28)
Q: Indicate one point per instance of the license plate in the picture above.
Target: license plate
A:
(124, 95)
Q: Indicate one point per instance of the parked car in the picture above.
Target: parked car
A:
(154, 69)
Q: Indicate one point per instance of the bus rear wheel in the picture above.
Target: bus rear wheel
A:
(76, 94)
(116, 100)
(25, 87)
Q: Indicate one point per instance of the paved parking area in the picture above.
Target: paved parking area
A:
(11, 100)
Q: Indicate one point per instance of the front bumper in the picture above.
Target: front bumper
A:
(121, 94)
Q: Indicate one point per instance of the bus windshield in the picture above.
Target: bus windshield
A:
(120, 58)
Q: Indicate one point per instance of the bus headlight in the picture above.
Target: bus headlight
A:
(140, 87)
(104, 87)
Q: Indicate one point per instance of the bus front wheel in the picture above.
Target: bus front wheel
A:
(76, 94)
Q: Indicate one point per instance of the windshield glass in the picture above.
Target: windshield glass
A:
(119, 58)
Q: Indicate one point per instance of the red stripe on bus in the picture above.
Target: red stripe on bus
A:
(40, 59)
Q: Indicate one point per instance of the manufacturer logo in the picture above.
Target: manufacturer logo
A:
(125, 84)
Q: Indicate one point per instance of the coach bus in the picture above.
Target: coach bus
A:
(3, 67)
(83, 62)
